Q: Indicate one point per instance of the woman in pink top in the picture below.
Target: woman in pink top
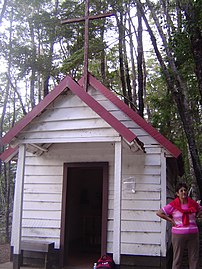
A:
(182, 212)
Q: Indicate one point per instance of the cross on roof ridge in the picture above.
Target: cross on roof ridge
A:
(86, 19)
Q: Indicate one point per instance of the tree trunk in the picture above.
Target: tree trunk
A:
(33, 67)
(193, 14)
(127, 74)
(3, 10)
(134, 74)
(139, 65)
(178, 90)
(121, 56)
(50, 57)
(103, 61)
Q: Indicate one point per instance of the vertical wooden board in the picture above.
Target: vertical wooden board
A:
(163, 246)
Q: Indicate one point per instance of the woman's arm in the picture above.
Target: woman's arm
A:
(162, 215)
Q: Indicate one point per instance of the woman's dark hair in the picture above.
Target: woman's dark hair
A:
(180, 185)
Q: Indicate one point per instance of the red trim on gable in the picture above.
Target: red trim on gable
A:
(34, 112)
(68, 82)
(8, 154)
(134, 116)
(101, 111)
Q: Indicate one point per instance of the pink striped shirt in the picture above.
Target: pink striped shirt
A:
(177, 217)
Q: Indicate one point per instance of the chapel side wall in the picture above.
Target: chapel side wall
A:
(43, 188)
(140, 228)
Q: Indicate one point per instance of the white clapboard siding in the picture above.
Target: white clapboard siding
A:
(147, 170)
(42, 206)
(143, 159)
(139, 188)
(41, 232)
(60, 114)
(43, 179)
(141, 180)
(140, 249)
(141, 134)
(46, 215)
(75, 152)
(85, 123)
(140, 226)
(151, 150)
(80, 133)
(140, 215)
(43, 188)
(140, 238)
(137, 238)
(140, 205)
(40, 223)
(140, 195)
(69, 125)
(44, 197)
(44, 170)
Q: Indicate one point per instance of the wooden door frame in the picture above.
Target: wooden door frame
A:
(105, 167)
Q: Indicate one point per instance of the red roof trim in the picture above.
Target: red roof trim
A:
(8, 154)
(101, 111)
(134, 116)
(34, 112)
(85, 97)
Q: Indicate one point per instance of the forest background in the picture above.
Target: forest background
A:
(149, 53)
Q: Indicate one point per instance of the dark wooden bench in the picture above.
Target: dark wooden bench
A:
(38, 246)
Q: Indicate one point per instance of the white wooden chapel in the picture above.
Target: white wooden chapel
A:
(86, 158)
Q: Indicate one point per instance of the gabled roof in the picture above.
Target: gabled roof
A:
(69, 83)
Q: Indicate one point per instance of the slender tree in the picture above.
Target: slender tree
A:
(178, 87)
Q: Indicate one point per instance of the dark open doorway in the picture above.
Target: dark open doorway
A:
(84, 214)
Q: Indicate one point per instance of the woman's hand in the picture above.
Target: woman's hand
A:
(162, 215)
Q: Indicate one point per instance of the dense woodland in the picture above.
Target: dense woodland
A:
(149, 53)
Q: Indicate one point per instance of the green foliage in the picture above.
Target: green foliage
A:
(6, 200)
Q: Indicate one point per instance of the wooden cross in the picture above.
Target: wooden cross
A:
(86, 19)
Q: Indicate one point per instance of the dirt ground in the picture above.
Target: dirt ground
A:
(4, 253)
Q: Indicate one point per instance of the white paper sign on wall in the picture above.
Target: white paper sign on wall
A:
(129, 185)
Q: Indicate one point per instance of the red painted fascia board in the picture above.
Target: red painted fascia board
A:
(101, 111)
(34, 112)
(134, 116)
(8, 154)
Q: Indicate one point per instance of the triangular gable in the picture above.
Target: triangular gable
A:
(170, 147)
(68, 82)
